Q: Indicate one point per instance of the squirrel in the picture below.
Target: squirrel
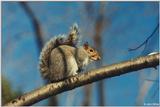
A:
(61, 57)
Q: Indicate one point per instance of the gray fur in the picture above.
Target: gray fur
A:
(61, 62)
(44, 56)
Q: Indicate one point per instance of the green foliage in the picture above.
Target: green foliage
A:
(7, 92)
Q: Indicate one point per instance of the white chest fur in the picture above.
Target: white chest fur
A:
(85, 62)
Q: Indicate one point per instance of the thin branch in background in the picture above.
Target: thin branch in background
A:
(86, 78)
(70, 98)
(146, 41)
(36, 24)
(99, 22)
(151, 80)
(87, 94)
(89, 8)
(39, 38)
(99, 25)
(53, 101)
(145, 86)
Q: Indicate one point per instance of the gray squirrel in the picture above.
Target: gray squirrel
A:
(61, 57)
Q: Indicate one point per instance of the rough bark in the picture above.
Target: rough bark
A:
(86, 78)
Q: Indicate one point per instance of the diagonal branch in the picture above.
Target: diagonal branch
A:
(86, 78)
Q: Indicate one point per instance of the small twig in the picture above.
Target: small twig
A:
(145, 42)
(86, 78)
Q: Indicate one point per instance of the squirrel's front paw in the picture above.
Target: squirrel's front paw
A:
(80, 70)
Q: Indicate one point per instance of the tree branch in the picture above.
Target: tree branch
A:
(86, 78)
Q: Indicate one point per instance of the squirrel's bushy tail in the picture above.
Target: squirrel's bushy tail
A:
(44, 57)
(71, 40)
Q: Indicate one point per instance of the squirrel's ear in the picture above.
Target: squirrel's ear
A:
(85, 45)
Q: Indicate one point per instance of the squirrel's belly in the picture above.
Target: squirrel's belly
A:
(85, 62)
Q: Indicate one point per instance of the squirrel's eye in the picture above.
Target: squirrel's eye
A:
(91, 50)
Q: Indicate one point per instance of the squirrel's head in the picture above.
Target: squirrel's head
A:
(93, 54)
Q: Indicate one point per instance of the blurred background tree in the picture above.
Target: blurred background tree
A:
(7, 92)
